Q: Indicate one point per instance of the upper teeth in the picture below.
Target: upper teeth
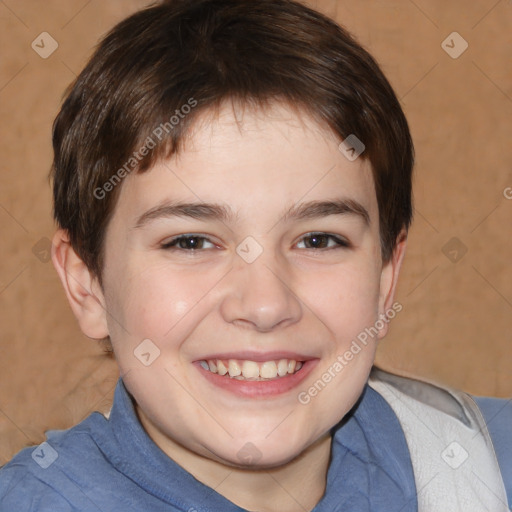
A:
(251, 369)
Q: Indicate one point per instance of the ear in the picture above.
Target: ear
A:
(389, 279)
(82, 288)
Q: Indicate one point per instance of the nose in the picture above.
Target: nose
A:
(260, 297)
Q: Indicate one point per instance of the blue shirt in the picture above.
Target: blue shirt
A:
(111, 465)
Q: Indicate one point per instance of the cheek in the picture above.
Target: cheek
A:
(345, 300)
(155, 303)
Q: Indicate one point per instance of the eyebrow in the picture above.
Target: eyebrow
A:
(210, 211)
(317, 209)
(199, 211)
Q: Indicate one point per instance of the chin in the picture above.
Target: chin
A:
(259, 454)
(252, 459)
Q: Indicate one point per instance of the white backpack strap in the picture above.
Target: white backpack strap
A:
(453, 459)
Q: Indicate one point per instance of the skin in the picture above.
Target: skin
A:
(295, 296)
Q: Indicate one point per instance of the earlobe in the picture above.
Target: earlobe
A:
(81, 286)
(389, 279)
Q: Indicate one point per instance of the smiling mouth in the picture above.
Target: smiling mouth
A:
(252, 370)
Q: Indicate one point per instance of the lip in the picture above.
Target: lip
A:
(257, 357)
(256, 388)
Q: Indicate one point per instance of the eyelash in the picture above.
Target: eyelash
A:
(172, 244)
(341, 243)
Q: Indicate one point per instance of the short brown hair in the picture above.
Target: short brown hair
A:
(201, 53)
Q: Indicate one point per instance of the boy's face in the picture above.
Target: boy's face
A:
(279, 263)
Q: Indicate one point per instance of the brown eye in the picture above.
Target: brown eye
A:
(316, 242)
(322, 241)
(188, 243)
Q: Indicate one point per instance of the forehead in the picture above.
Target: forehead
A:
(253, 159)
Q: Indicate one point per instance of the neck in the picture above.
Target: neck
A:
(296, 485)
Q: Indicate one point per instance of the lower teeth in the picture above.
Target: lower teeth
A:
(241, 377)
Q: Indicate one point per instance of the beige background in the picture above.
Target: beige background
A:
(455, 326)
